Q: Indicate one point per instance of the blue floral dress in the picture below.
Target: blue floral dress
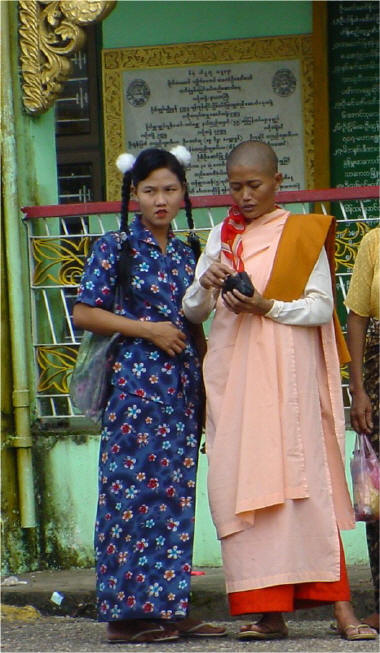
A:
(149, 440)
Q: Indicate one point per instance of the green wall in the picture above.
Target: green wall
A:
(153, 23)
(29, 166)
(66, 466)
(34, 135)
(67, 487)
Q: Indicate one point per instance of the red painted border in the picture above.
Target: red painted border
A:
(204, 201)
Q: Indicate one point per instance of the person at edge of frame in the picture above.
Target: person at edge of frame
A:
(363, 327)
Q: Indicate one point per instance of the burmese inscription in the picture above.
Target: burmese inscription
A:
(212, 108)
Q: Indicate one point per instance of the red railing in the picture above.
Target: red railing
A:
(205, 201)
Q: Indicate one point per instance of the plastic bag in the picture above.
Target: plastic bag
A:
(365, 472)
(90, 379)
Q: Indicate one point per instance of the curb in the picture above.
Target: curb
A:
(208, 597)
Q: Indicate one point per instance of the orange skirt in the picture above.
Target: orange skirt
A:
(286, 598)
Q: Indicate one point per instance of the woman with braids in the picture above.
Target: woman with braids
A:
(151, 424)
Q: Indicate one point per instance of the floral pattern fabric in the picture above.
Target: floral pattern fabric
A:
(149, 440)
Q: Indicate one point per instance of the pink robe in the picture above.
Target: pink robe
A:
(275, 435)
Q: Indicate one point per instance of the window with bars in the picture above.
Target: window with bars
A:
(78, 128)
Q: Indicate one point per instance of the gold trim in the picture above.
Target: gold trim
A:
(115, 61)
(49, 33)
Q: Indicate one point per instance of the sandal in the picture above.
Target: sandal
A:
(262, 631)
(201, 629)
(146, 635)
(353, 633)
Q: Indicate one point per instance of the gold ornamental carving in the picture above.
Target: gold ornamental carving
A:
(49, 32)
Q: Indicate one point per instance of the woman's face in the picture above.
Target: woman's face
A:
(160, 196)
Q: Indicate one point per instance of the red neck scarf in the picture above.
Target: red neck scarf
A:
(232, 229)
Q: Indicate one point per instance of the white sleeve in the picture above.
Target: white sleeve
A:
(317, 304)
(198, 302)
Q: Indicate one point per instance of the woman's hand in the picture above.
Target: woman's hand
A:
(163, 334)
(215, 275)
(361, 412)
(236, 302)
(166, 336)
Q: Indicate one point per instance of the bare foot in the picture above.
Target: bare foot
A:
(195, 628)
(345, 615)
(270, 626)
(349, 625)
(372, 620)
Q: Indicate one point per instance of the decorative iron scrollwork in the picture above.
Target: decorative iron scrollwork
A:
(55, 365)
(49, 33)
(59, 260)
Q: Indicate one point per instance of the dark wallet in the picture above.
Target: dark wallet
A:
(241, 282)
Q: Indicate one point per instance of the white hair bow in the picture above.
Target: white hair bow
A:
(125, 162)
(181, 154)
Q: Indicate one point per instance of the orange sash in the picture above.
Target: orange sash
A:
(300, 244)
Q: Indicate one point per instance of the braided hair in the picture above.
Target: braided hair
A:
(147, 162)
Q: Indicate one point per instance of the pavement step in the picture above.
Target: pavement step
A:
(208, 597)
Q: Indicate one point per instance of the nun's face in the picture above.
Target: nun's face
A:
(253, 189)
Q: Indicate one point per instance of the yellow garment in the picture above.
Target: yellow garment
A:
(363, 293)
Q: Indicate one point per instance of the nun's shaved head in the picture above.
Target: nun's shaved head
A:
(253, 154)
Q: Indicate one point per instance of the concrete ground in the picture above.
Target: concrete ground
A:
(32, 621)
(63, 634)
